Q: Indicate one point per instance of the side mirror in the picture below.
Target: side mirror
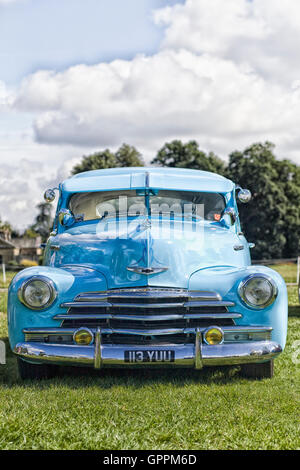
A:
(49, 195)
(66, 218)
(244, 195)
(229, 211)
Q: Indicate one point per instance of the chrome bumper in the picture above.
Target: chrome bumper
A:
(196, 355)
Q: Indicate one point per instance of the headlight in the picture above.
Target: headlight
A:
(37, 293)
(258, 291)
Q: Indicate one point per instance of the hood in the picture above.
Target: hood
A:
(148, 252)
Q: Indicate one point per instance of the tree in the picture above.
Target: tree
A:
(44, 221)
(5, 225)
(180, 155)
(5, 229)
(96, 161)
(125, 156)
(30, 233)
(289, 181)
(271, 219)
(128, 155)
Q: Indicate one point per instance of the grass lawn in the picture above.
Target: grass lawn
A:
(9, 276)
(182, 409)
(288, 271)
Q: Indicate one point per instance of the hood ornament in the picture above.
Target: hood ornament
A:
(146, 271)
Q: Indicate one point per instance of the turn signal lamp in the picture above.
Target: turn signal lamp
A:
(214, 335)
(83, 337)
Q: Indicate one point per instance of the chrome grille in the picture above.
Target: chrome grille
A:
(147, 309)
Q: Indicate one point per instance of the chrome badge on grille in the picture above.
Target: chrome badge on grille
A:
(146, 271)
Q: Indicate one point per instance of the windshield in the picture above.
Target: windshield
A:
(131, 203)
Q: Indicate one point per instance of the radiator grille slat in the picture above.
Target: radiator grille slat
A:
(143, 318)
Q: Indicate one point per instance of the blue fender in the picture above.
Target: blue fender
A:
(226, 279)
(69, 281)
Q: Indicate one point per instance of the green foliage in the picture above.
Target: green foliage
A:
(9, 276)
(96, 161)
(12, 262)
(289, 182)
(5, 227)
(128, 155)
(125, 156)
(271, 219)
(30, 233)
(288, 271)
(180, 155)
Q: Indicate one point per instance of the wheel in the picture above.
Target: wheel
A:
(258, 371)
(29, 371)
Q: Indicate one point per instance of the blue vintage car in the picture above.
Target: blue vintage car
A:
(147, 267)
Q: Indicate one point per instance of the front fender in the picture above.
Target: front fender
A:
(69, 281)
(226, 279)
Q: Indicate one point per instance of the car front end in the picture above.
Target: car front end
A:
(190, 299)
(153, 326)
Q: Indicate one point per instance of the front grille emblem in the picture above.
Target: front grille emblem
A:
(146, 271)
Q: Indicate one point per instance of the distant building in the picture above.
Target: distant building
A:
(18, 249)
(7, 249)
(27, 248)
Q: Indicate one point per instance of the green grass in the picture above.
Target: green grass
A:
(9, 277)
(294, 307)
(288, 271)
(182, 409)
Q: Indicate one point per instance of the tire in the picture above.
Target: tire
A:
(258, 371)
(29, 371)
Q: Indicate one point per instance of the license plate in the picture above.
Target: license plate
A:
(149, 355)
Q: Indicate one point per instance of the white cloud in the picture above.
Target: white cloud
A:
(6, 97)
(210, 27)
(175, 93)
(20, 191)
(261, 33)
(216, 78)
(27, 169)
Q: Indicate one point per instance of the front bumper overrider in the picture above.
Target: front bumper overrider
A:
(193, 355)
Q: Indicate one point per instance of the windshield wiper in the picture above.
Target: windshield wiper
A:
(173, 216)
(120, 214)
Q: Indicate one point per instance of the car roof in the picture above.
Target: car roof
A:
(141, 177)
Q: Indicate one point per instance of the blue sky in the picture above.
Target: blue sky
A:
(78, 76)
(55, 34)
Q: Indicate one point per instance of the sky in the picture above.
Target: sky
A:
(80, 76)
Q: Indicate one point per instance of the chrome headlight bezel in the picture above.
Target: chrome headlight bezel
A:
(50, 285)
(243, 284)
